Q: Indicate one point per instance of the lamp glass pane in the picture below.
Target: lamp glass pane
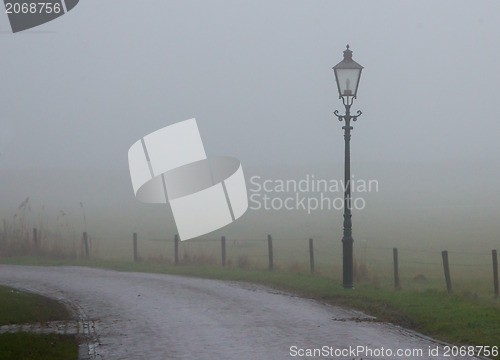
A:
(347, 80)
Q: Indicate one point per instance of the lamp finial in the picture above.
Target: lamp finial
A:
(347, 54)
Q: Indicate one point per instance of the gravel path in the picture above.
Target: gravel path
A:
(155, 316)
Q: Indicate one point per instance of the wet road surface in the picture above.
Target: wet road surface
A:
(156, 316)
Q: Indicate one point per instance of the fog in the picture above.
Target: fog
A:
(77, 92)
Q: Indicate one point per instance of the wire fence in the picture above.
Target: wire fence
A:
(408, 267)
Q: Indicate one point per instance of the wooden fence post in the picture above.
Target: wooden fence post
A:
(311, 255)
(270, 249)
(176, 247)
(136, 257)
(397, 284)
(86, 244)
(446, 266)
(495, 271)
(223, 250)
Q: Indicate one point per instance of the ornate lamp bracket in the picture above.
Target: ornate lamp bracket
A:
(347, 116)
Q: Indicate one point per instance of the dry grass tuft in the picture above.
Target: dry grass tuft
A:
(295, 267)
(243, 262)
(198, 259)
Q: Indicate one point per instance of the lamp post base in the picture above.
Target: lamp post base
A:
(348, 263)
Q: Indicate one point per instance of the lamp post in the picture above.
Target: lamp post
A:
(347, 75)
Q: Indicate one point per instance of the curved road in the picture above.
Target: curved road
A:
(155, 316)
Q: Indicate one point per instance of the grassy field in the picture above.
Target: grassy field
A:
(462, 319)
(19, 308)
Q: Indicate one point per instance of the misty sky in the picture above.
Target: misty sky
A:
(257, 75)
(77, 92)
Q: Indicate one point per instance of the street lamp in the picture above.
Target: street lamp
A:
(347, 75)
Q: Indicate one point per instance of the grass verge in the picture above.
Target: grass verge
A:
(26, 346)
(18, 307)
(451, 318)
